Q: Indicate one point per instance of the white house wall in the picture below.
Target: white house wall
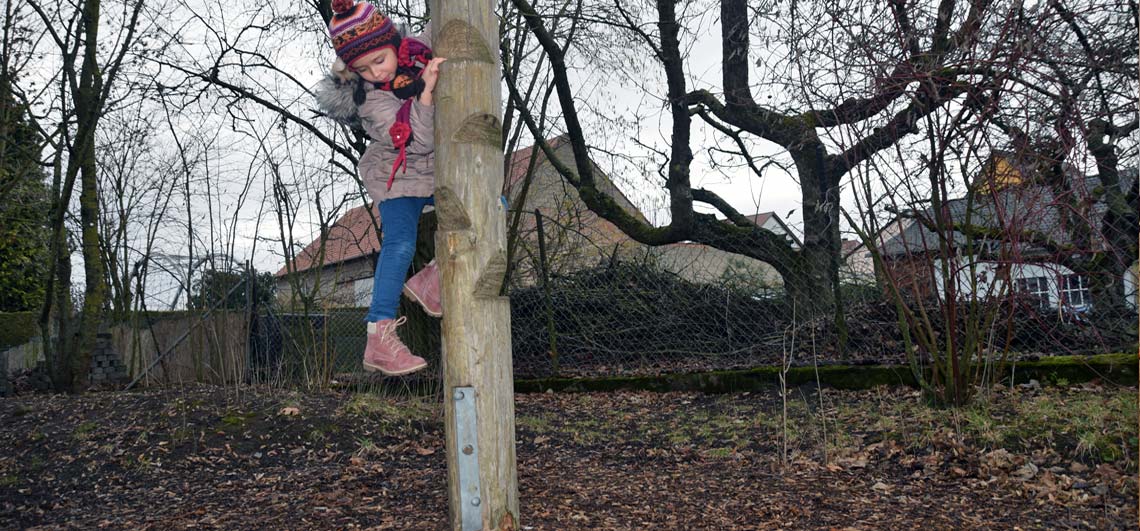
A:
(988, 282)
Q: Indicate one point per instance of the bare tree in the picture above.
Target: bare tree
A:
(853, 79)
(84, 70)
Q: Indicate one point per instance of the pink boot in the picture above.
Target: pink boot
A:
(423, 288)
(386, 353)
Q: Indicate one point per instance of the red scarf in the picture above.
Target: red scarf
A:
(406, 85)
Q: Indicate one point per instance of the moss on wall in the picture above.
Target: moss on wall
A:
(1116, 368)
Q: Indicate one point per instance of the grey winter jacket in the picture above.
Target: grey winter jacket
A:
(376, 115)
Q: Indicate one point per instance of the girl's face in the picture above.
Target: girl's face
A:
(378, 66)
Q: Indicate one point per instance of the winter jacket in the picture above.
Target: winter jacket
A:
(376, 115)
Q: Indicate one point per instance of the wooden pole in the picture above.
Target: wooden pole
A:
(471, 250)
(553, 337)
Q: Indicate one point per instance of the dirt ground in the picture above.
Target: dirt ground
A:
(224, 458)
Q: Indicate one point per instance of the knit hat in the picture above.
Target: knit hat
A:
(359, 28)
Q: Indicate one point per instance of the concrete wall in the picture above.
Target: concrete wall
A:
(706, 265)
(23, 356)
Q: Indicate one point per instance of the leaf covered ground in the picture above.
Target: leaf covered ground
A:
(252, 458)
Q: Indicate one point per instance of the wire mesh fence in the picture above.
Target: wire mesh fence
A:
(640, 311)
(587, 302)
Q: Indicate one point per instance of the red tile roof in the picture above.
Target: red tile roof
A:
(849, 246)
(352, 236)
(760, 218)
(520, 160)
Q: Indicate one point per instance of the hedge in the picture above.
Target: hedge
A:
(16, 328)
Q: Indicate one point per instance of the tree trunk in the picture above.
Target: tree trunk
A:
(814, 283)
(1109, 309)
(95, 293)
(809, 285)
(471, 246)
(83, 160)
(57, 320)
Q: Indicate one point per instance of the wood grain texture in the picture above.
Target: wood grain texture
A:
(471, 245)
(462, 42)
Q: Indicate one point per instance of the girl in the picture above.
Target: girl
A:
(385, 82)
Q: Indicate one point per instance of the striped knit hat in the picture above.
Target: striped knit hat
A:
(359, 28)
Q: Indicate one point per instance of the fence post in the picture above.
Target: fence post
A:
(471, 250)
(546, 294)
(250, 315)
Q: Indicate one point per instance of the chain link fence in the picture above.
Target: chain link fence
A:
(587, 307)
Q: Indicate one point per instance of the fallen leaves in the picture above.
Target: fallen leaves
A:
(162, 460)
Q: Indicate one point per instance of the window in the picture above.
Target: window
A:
(362, 291)
(1037, 287)
(1075, 290)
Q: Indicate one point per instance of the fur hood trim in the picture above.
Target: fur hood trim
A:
(334, 98)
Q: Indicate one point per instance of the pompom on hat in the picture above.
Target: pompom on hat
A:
(359, 28)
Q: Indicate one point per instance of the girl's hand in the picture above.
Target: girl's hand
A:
(431, 73)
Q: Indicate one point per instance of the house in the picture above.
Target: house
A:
(703, 264)
(857, 266)
(342, 264)
(1017, 221)
(573, 237)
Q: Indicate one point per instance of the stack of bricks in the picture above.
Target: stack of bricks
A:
(106, 368)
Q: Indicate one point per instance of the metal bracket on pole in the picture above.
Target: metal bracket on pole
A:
(467, 443)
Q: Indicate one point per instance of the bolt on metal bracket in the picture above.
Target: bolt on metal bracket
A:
(467, 460)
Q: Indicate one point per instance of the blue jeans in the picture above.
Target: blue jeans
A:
(399, 222)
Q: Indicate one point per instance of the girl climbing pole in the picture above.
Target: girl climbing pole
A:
(385, 82)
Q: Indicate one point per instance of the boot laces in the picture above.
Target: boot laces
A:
(391, 329)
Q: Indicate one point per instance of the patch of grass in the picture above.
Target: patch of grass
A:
(316, 435)
(9, 481)
(538, 424)
(236, 419)
(83, 431)
(589, 431)
(143, 462)
(322, 431)
(720, 453)
(181, 434)
(22, 410)
(371, 405)
(1086, 424)
(679, 438)
(35, 463)
(36, 436)
(981, 424)
(365, 446)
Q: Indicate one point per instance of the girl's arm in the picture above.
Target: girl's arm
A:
(423, 110)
